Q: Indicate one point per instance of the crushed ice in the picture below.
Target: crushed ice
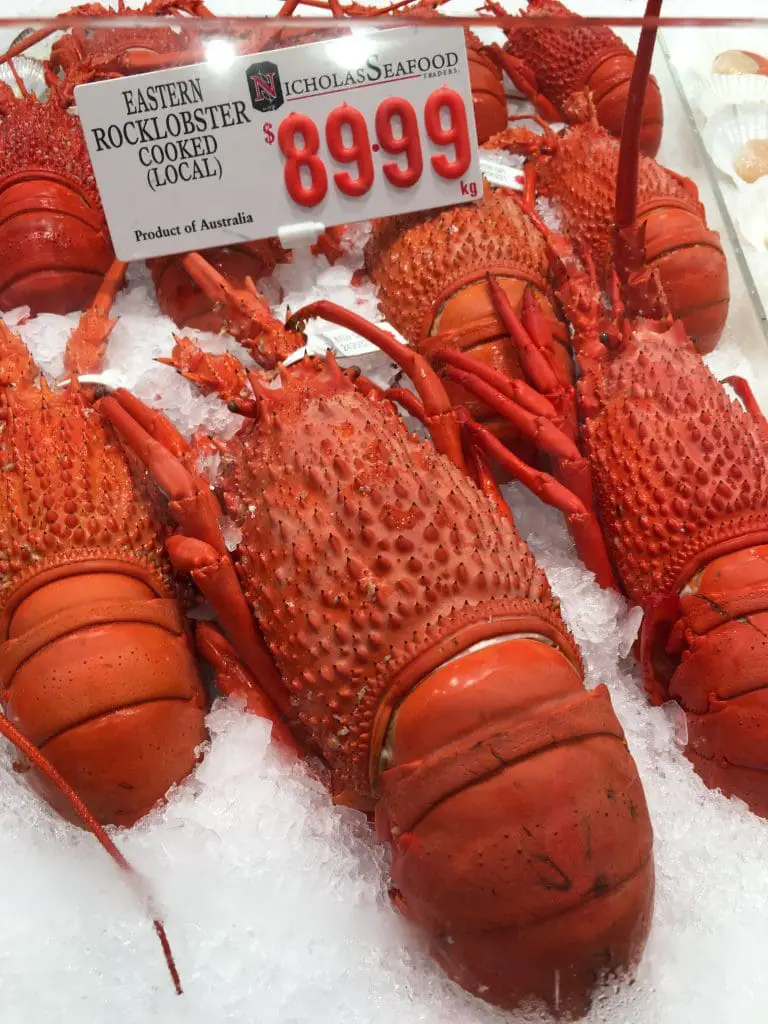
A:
(275, 901)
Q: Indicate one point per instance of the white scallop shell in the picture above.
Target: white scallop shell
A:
(727, 132)
(752, 215)
(30, 71)
(714, 92)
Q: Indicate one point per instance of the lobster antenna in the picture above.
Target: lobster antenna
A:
(41, 762)
(625, 211)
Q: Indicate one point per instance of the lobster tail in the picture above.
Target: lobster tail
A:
(609, 84)
(520, 835)
(713, 665)
(99, 675)
(488, 99)
(54, 243)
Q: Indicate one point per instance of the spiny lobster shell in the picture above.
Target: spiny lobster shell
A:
(580, 178)
(681, 480)
(54, 243)
(370, 562)
(431, 270)
(95, 664)
(680, 468)
(566, 61)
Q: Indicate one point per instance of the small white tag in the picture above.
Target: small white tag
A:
(498, 173)
(347, 343)
(207, 155)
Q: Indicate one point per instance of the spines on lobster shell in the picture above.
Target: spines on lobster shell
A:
(568, 60)
(95, 661)
(681, 480)
(54, 243)
(579, 176)
(431, 270)
(428, 662)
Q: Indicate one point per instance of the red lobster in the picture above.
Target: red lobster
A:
(54, 243)
(98, 679)
(431, 270)
(680, 477)
(412, 643)
(550, 65)
(578, 172)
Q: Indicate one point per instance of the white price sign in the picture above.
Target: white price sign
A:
(364, 126)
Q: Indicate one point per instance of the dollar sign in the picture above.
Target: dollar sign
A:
(269, 135)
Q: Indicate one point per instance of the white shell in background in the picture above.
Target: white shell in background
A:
(728, 133)
(30, 71)
(715, 92)
(752, 215)
(740, 62)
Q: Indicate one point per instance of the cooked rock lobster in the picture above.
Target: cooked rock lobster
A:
(389, 615)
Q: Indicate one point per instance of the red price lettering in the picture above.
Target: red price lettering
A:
(457, 134)
(397, 133)
(407, 141)
(304, 195)
(359, 151)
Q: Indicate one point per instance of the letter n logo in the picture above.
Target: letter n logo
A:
(264, 86)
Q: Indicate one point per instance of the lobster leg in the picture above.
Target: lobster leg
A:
(582, 522)
(234, 679)
(199, 549)
(440, 415)
(87, 343)
(744, 391)
(523, 79)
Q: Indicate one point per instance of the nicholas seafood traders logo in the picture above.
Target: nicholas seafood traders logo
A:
(264, 86)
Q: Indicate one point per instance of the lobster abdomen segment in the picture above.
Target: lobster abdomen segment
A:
(98, 673)
(721, 679)
(488, 99)
(608, 82)
(521, 840)
(692, 268)
(54, 244)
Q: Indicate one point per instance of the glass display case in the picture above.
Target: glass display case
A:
(384, 512)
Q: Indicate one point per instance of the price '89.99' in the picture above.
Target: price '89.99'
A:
(359, 151)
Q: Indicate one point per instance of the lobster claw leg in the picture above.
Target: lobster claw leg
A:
(439, 414)
(524, 80)
(748, 400)
(234, 679)
(199, 548)
(87, 343)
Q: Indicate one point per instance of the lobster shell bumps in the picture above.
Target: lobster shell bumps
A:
(370, 561)
(95, 664)
(54, 243)
(681, 480)
(431, 267)
(580, 177)
(566, 61)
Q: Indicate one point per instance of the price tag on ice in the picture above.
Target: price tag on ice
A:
(363, 126)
